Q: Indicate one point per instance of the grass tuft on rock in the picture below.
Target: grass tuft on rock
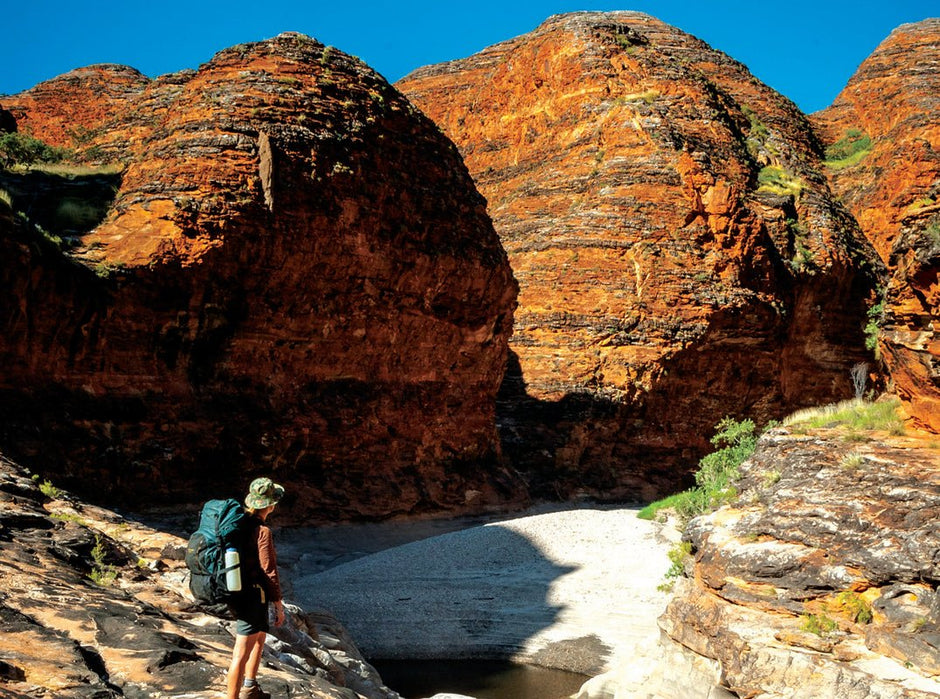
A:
(848, 150)
(716, 473)
(856, 414)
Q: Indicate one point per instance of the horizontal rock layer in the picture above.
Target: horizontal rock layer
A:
(822, 579)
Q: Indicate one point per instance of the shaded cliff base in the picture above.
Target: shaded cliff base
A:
(829, 528)
(95, 605)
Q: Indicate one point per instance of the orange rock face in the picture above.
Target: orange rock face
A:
(679, 255)
(296, 277)
(893, 189)
(107, 92)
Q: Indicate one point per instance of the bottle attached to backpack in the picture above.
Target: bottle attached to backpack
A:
(223, 530)
(233, 570)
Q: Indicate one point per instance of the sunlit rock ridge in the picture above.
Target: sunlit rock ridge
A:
(892, 187)
(679, 253)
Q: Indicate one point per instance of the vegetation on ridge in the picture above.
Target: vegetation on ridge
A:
(716, 472)
(854, 414)
(848, 150)
(22, 149)
(776, 180)
(54, 198)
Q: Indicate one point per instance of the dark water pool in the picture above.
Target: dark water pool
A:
(483, 679)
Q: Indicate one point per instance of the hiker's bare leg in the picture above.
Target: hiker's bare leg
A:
(254, 656)
(236, 671)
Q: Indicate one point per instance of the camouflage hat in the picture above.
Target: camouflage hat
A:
(262, 493)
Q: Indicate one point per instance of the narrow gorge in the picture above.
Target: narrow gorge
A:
(539, 275)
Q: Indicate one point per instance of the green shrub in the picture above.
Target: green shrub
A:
(101, 573)
(680, 556)
(757, 136)
(718, 469)
(758, 129)
(856, 606)
(49, 490)
(21, 149)
(819, 624)
(848, 150)
(671, 502)
(876, 317)
(715, 475)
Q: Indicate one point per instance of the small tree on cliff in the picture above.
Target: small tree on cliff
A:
(718, 470)
(21, 149)
(859, 374)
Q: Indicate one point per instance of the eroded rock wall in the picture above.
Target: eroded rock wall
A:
(822, 579)
(893, 190)
(296, 277)
(679, 254)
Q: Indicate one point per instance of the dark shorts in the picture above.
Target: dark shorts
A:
(250, 610)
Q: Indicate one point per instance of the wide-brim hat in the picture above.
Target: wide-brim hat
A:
(263, 492)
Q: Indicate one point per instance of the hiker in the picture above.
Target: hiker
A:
(260, 585)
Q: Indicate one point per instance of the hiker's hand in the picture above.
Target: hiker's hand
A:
(279, 613)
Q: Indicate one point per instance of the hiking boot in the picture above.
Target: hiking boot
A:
(253, 692)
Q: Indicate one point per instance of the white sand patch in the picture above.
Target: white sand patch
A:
(573, 589)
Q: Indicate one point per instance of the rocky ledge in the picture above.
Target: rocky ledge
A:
(95, 605)
(821, 580)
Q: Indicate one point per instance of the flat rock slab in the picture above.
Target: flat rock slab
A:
(574, 590)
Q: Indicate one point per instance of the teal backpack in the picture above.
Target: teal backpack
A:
(222, 524)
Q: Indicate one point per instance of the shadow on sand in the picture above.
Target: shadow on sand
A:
(477, 593)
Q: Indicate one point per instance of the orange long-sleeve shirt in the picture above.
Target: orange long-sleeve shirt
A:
(267, 577)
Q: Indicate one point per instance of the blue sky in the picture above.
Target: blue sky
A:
(805, 49)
